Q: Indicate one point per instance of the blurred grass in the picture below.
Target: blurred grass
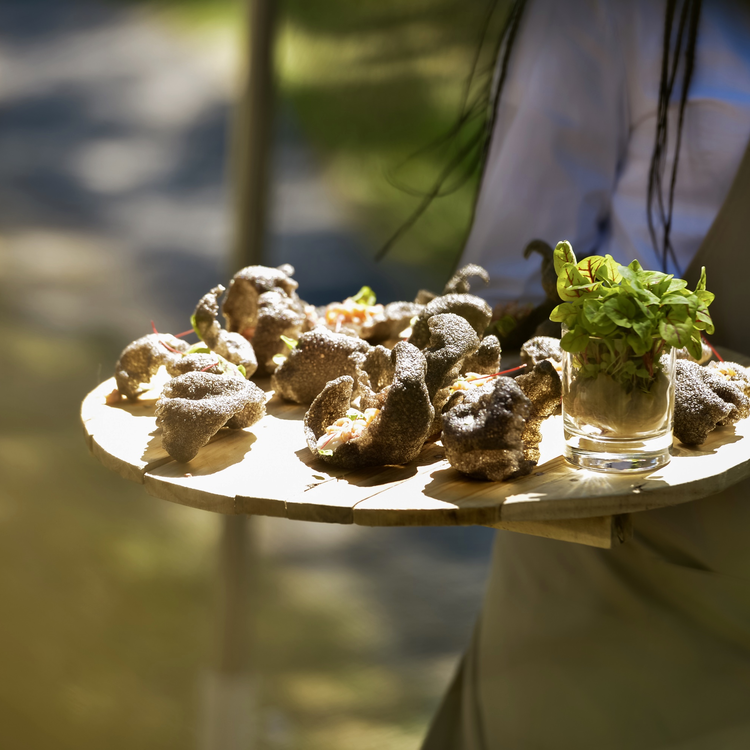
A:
(94, 577)
(109, 599)
(108, 594)
(371, 83)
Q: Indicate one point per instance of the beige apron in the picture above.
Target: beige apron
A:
(642, 647)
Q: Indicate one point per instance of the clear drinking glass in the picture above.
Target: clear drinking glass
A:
(610, 429)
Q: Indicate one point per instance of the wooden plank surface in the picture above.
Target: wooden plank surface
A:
(122, 436)
(601, 531)
(268, 470)
(557, 490)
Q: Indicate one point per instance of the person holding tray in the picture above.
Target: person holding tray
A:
(622, 127)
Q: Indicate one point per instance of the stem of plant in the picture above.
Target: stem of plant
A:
(176, 335)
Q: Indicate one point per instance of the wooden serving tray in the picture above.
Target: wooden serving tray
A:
(268, 470)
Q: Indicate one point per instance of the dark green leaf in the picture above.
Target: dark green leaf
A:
(676, 330)
(662, 286)
(194, 323)
(619, 310)
(575, 341)
(638, 344)
(694, 348)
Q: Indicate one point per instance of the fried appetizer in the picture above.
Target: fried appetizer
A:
(539, 348)
(424, 297)
(486, 359)
(483, 431)
(470, 380)
(241, 305)
(734, 373)
(703, 401)
(473, 309)
(394, 321)
(195, 406)
(362, 316)
(277, 316)
(202, 359)
(356, 314)
(141, 360)
(730, 392)
(262, 304)
(392, 434)
(452, 339)
(379, 366)
(319, 357)
(543, 387)
(373, 373)
(460, 282)
(233, 347)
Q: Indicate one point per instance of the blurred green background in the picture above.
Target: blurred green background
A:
(373, 85)
(114, 212)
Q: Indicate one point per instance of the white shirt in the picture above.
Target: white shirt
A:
(575, 131)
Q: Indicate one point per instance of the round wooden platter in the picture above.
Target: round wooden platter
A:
(267, 469)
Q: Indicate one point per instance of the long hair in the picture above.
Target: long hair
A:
(672, 55)
(678, 55)
(480, 95)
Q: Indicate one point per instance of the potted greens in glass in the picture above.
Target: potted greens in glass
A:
(621, 327)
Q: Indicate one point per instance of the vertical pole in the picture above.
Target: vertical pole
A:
(230, 700)
(236, 596)
(231, 715)
(252, 137)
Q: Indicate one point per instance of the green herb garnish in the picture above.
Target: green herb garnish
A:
(194, 323)
(291, 343)
(199, 348)
(621, 319)
(365, 296)
(223, 364)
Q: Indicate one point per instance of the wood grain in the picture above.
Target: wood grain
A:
(601, 531)
(122, 436)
